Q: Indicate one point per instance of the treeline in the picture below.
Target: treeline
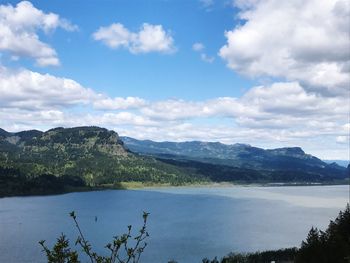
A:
(14, 183)
(50, 176)
(281, 255)
(228, 173)
(94, 154)
(332, 245)
(329, 246)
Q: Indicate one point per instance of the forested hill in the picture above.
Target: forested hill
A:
(282, 164)
(35, 162)
(94, 155)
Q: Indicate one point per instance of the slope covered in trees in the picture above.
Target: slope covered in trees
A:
(94, 154)
(100, 159)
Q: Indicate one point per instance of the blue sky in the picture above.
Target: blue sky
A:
(265, 72)
(159, 76)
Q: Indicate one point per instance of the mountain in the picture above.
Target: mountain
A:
(4, 133)
(284, 164)
(62, 159)
(343, 163)
(95, 155)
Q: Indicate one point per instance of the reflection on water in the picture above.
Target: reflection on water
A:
(307, 196)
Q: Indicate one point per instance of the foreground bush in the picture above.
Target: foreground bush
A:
(122, 249)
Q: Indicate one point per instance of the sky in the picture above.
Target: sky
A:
(268, 73)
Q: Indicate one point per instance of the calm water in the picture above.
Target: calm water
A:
(186, 224)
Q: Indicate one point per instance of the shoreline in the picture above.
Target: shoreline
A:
(141, 186)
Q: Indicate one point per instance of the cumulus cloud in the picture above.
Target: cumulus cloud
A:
(207, 58)
(32, 90)
(17, 119)
(25, 89)
(179, 110)
(19, 28)
(199, 47)
(279, 114)
(150, 38)
(296, 40)
(285, 105)
(119, 103)
(289, 98)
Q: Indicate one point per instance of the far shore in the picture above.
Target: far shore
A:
(140, 185)
(150, 185)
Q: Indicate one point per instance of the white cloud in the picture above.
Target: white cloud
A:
(291, 99)
(206, 3)
(275, 115)
(207, 58)
(150, 38)
(281, 105)
(343, 139)
(198, 46)
(114, 36)
(172, 110)
(306, 41)
(25, 89)
(18, 32)
(125, 118)
(119, 103)
(32, 90)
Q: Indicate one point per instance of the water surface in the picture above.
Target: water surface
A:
(186, 224)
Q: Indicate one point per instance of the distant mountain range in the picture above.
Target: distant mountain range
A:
(287, 164)
(218, 152)
(93, 156)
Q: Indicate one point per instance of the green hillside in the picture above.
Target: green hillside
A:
(70, 159)
(93, 154)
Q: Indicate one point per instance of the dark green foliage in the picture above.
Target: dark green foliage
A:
(333, 245)
(13, 182)
(94, 154)
(219, 173)
(215, 260)
(227, 173)
(282, 255)
(97, 156)
(122, 249)
(61, 251)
